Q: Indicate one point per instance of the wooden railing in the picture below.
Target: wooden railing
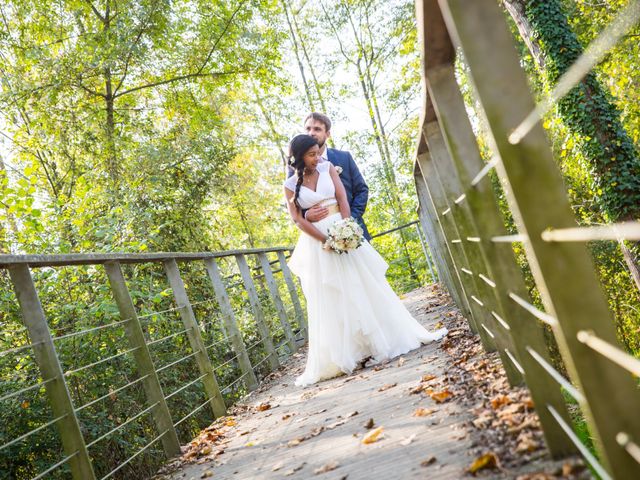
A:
(209, 342)
(474, 255)
(192, 332)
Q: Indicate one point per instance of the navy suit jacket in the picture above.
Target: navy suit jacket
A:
(354, 184)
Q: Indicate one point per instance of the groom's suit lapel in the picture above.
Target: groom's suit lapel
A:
(334, 158)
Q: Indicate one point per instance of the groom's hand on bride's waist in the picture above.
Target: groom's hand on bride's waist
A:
(316, 213)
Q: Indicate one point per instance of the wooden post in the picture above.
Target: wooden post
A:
(231, 325)
(275, 295)
(254, 300)
(293, 292)
(563, 272)
(47, 359)
(442, 254)
(448, 177)
(501, 266)
(195, 339)
(457, 252)
(151, 384)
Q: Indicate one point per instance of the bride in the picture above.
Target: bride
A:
(352, 311)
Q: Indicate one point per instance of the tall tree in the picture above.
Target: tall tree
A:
(588, 110)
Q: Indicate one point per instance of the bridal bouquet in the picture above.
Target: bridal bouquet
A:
(344, 235)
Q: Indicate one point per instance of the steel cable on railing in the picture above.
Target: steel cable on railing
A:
(184, 387)
(82, 332)
(112, 357)
(122, 425)
(177, 361)
(31, 432)
(579, 445)
(26, 389)
(139, 452)
(111, 393)
(56, 465)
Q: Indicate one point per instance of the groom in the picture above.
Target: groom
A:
(318, 125)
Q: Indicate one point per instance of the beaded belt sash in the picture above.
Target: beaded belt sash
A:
(333, 209)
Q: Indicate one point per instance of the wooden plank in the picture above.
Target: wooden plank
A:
(258, 314)
(501, 266)
(275, 296)
(293, 292)
(195, 339)
(142, 357)
(460, 216)
(425, 251)
(564, 272)
(47, 360)
(231, 324)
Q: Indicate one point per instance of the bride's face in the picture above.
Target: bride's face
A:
(311, 157)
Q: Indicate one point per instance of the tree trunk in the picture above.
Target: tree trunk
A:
(296, 50)
(588, 112)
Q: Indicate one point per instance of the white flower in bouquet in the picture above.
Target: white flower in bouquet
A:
(344, 235)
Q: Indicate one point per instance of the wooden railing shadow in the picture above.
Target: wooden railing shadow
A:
(474, 255)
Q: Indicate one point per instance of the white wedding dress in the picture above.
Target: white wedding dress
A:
(352, 311)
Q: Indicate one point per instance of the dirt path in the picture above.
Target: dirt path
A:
(438, 412)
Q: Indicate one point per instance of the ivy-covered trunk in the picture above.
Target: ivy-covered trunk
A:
(588, 111)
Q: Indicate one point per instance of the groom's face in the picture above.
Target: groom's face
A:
(317, 130)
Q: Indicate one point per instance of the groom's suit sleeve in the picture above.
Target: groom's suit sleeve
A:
(359, 189)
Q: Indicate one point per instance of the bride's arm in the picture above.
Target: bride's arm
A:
(341, 193)
(302, 223)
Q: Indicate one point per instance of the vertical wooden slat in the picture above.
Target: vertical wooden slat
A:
(258, 314)
(142, 357)
(293, 292)
(195, 339)
(564, 272)
(450, 182)
(275, 295)
(231, 324)
(425, 252)
(501, 265)
(47, 360)
(440, 249)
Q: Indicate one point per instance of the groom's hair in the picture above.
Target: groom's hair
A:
(320, 117)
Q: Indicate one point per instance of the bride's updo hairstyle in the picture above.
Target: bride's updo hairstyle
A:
(300, 144)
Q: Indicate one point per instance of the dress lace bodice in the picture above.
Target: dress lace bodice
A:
(324, 194)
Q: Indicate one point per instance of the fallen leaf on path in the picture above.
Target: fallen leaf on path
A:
(206, 474)
(387, 386)
(294, 469)
(369, 425)
(499, 400)
(230, 423)
(353, 414)
(401, 361)
(423, 412)
(326, 468)
(428, 377)
(442, 396)
(439, 325)
(428, 461)
(488, 460)
(372, 436)
(277, 466)
(262, 407)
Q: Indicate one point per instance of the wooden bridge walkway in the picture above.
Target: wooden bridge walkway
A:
(318, 430)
